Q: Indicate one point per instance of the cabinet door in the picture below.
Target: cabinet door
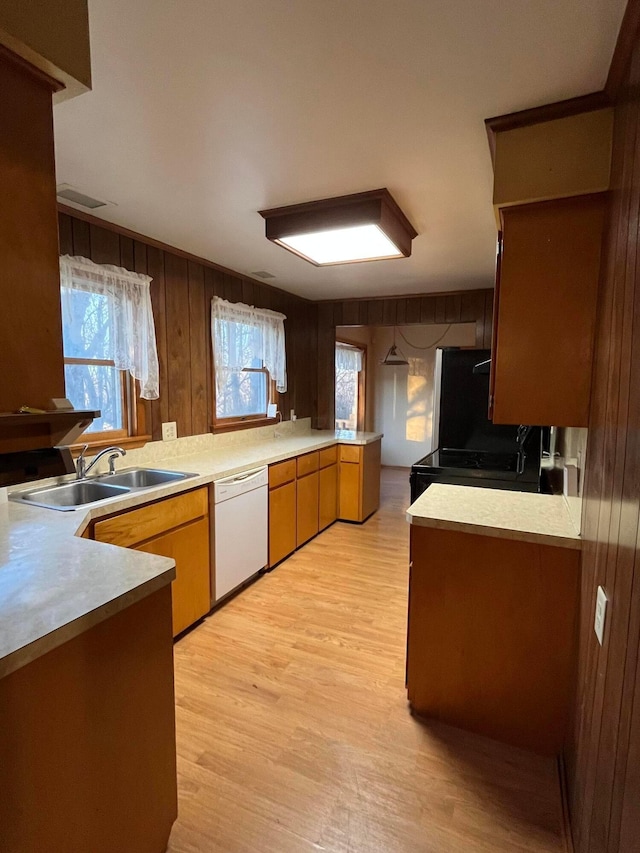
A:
(282, 522)
(370, 479)
(307, 505)
(328, 511)
(191, 589)
(549, 274)
(349, 508)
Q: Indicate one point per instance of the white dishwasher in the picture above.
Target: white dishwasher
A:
(241, 528)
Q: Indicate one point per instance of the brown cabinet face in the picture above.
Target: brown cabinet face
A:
(178, 528)
(545, 312)
(307, 508)
(350, 453)
(282, 522)
(359, 488)
(191, 589)
(328, 456)
(328, 510)
(307, 463)
(501, 676)
(282, 472)
(349, 508)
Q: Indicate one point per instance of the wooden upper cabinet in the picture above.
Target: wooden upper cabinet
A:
(30, 315)
(545, 311)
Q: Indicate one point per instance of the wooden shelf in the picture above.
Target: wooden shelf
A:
(19, 432)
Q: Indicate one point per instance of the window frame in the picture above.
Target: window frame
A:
(362, 381)
(134, 410)
(243, 421)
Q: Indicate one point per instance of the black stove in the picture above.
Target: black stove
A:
(518, 471)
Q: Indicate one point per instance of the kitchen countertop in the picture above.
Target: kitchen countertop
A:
(523, 516)
(55, 585)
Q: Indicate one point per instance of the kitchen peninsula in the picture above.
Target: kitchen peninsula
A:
(492, 612)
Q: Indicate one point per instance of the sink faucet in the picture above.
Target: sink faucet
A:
(82, 469)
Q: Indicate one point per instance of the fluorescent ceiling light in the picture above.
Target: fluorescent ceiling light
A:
(365, 226)
(343, 245)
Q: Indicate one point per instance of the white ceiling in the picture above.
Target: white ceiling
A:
(205, 111)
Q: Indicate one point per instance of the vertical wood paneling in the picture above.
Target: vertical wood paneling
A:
(182, 309)
(178, 344)
(126, 253)
(603, 756)
(155, 268)
(198, 349)
(81, 239)
(428, 309)
(105, 245)
(65, 234)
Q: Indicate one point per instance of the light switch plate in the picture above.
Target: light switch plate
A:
(601, 614)
(169, 431)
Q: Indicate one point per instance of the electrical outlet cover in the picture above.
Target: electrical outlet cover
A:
(601, 614)
(169, 431)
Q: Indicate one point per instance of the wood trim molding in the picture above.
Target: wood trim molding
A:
(546, 112)
(627, 38)
(165, 247)
(420, 295)
(24, 65)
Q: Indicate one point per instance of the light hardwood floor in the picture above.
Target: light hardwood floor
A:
(294, 733)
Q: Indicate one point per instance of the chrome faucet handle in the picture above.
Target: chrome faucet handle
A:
(112, 461)
(81, 462)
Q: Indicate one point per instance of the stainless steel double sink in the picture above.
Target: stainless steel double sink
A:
(79, 493)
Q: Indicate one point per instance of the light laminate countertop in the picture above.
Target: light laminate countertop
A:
(55, 585)
(523, 516)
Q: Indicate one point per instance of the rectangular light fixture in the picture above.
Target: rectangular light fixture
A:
(348, 229)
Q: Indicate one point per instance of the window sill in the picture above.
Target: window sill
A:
(131, 442)
(231, 426)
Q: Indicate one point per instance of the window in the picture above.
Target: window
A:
(108, 342)
(91, 378)
(249, 360)
(349, 386)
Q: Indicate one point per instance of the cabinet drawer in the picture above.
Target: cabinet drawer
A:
(328, 456)
(350, 453)
(307, 464)
(136, 525)
(281, 473)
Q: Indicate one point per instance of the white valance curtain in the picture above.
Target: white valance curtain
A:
(244, 336)
(348, 358)
(133, 340)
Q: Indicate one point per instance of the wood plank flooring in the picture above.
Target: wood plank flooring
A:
(294, 732)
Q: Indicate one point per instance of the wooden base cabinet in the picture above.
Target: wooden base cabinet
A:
(87, 740)
(359, 481)
(307, 497)
(283, 537)
(328, 490)
(492, 635)
(176, 527)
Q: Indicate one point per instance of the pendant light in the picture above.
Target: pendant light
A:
(395, 356)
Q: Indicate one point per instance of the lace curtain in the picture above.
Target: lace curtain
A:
(244, 336)
(348, 358)
(133, 337)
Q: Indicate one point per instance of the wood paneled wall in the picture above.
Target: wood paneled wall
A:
(181, 291)
(466, 307)
(603, 757)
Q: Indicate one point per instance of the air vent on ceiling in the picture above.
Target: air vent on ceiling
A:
(70, 194)
(263, 274)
